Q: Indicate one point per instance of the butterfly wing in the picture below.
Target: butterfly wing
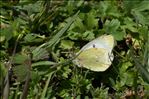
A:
(95, 59)
(105, 41)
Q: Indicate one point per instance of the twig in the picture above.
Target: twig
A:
(26, 86)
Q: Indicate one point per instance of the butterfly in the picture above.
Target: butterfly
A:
(97, 54)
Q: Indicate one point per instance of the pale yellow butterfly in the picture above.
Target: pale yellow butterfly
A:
(96, 55)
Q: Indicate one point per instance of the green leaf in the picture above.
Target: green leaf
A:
(88, 35)
(113, 9)
(35, 77)
(66, 44)
(119, 35)
(33, 38)
(78, 25)
(103, 6)
(20, 59)
(40, 53)
(127, 78)
(73, 35)
(7, 33)
(91, 21)
(108, 8)
(112, 26)
(32, 7)
(129, 24)
(29, 38)
(66, 71)
(21, 72)
(70, 6)
(125, 66)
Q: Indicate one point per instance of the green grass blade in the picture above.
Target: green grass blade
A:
(40, 63)
(46, 86)
(60, 33)
(142, 70)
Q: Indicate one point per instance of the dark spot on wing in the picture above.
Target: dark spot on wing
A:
(94, 46)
